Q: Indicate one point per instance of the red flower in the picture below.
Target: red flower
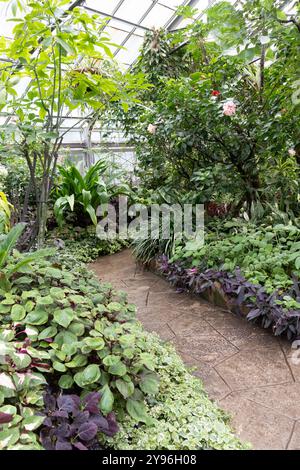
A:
(215, 93)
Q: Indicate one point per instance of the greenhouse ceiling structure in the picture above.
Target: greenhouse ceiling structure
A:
(126, 22)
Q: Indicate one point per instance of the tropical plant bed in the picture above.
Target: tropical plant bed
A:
(233, 292)
(251, 271)
(77, 371)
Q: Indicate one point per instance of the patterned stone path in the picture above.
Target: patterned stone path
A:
(244, 368)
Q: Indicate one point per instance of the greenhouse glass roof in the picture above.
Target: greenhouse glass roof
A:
(127, 20)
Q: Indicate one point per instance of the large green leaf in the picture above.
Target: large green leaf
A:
(37, 317)
(86, 198)
(9, 242)
(126, 388)
(71, 201)
(137, 410)
(92, 213)
(68, 48)
(89, 375)
(107, 399)
(64, 317)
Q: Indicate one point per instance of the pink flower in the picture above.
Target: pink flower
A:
(292, 152)
(192, 271)
(229, 108)
(152, 129)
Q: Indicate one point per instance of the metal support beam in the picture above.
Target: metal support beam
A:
(178, 19)
(113, 17)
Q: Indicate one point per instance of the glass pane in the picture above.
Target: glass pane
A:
(107, 6)
(128, 55)
(6, 26)
(117, 36)
(132, 10)
(202, 5)
(172, 3)
(158, 16)
(120, 25)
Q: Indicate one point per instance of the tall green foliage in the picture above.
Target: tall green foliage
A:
(82, 194)
(64, 56)
(233, 107)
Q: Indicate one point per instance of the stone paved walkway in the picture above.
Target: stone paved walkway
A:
(244, 368)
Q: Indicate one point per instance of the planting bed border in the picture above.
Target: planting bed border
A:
(208, 285)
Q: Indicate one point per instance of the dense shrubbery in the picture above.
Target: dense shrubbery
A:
(269, 256)
(82, 243)
(221, 119)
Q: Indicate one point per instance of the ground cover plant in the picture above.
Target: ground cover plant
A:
(269, 256)
(184, 417)
(82, 243)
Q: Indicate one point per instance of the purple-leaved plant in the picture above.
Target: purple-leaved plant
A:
(73, 423)
(262, 306)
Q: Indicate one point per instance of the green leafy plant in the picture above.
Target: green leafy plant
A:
(82, 194)
(267, 256)
(85, 335)
(82, 244)
(5, 213)
(8, 267)
(21, 393)
(184, 417)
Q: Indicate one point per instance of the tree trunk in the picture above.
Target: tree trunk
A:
(42, 211)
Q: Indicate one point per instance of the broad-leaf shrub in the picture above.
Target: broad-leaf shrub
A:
(82, 194)
(217, 111)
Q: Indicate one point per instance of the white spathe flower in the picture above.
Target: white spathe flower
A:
(292, 152)
(152, 129)
(3, 171)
